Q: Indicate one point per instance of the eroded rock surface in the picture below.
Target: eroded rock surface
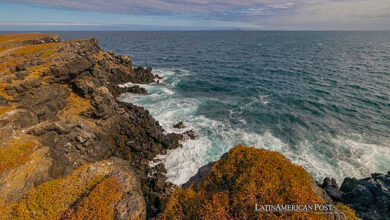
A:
(369, 197)
(63, 97)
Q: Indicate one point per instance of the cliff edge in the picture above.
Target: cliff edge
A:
(65, 138)
(70, 150)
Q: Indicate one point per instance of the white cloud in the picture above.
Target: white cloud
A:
(271, 14)
(45, 24)
(353, 14)
(281, 5)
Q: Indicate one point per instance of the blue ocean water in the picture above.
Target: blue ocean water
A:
(320, 98)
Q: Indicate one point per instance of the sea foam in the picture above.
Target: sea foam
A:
(214, 138)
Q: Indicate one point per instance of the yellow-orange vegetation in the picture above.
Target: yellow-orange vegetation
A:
(100, 203)
(350, 214)
(20, 37)
(75, 106)
(50, 199)
(5, 109)
(13, 51)
(3, 93)
(244, 177)
(15, 154)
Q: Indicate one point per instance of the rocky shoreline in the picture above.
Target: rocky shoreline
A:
(62, 97)
(63, 129)
(369, 197)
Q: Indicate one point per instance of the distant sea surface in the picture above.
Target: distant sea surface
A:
(320, 98)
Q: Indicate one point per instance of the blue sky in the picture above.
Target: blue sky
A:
(195, 15)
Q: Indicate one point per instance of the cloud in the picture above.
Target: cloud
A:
(154, 6)
(344, 14)
(267, 14)
(281, 5)
(45, 24)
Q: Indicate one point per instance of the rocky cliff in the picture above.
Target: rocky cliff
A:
(65, 138)
(369, 197)
(70, 150)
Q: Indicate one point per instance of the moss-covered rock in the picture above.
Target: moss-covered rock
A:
(89, 192)
(240, 179)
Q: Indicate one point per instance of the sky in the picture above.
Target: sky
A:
(19, 15)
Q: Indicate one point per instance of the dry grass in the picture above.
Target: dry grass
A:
(50, 199)
(15, 154)
(46, 49)
(349, 213)
(2, 91)
(75, 106)
(20, 37)
(5, 109)
(100, 203)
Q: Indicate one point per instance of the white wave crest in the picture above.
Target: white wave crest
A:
(350, 157)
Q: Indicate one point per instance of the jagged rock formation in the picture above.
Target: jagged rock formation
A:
(70, 150)
(58, 112)
(369, 197)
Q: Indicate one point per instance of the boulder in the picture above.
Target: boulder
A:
(369, 197)
(331, 188)
(3, 101)
(190, 134)
(137, 90)
(179, 125)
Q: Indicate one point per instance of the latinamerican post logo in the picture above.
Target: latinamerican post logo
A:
(318, 208)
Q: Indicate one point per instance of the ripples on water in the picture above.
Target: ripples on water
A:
(320, 98)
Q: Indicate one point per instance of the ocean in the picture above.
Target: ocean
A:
(320, 98)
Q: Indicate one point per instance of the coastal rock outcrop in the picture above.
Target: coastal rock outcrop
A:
(101, 190)
(69, 149)
(369, 197)
(59, 112)
(137, 90)
(231, 187)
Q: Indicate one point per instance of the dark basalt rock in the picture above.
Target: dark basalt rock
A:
(124, 59)
(179, 125)
(189, 135)
(331, 188)
(143, 75)
(137, 90)
(113, 129)
(21, 67)
(3, 101)
(47, 39)
(369, 197)
(199, 176)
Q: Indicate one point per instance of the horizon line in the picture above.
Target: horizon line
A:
(198, 30)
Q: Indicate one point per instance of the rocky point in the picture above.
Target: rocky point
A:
(59, 112)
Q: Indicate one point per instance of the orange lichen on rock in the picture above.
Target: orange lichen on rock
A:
(50, 199)
(75, 106)
(5, 109)
(242, 178)
(100, 202)
(17, 49)
(44, 49)
(15, 154)
(2, 91)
